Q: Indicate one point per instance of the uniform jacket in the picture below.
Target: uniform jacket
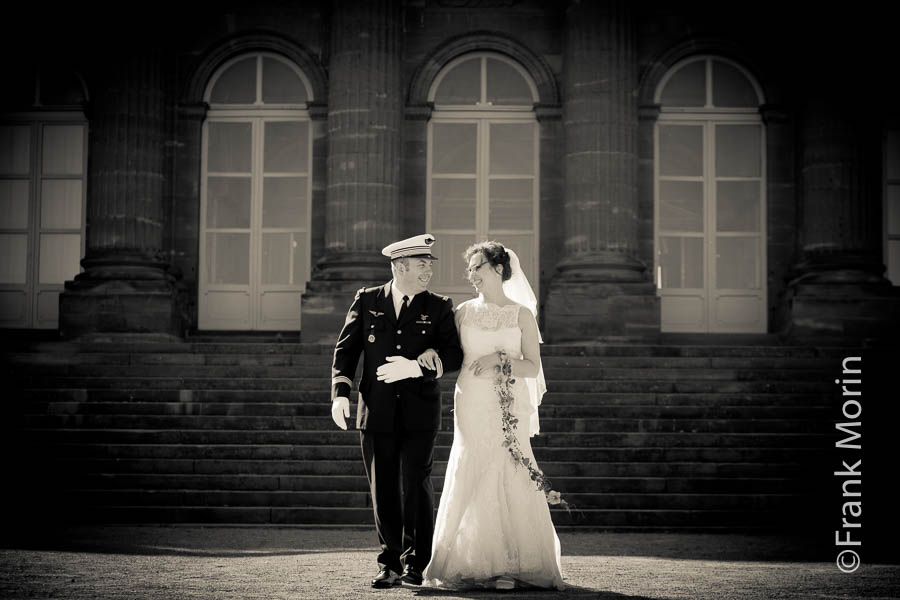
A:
(371, 329)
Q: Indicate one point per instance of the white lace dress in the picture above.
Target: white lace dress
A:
(493, 521)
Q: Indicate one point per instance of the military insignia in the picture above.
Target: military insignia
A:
(424, 320)
(371, 338)
(375, 313)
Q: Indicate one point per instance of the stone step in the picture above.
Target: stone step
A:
(548, 410)
(548, 425)
(606, 519)
(630, 348)
(355, 467)
(317, 438)
(554, 375)
(355, 483)
(321, 398)
(331, 453)
(645, 385)
(322, 362)
(138, 497)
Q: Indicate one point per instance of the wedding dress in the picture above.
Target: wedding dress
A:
(493, 520)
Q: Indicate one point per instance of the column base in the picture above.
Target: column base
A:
(331, 290)
(109, 301)
(601, 267)
(843, 311)
(580, 311)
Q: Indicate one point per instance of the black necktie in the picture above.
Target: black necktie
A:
(403, 307)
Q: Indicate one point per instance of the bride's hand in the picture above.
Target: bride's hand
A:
(486, 366)
(427, 359)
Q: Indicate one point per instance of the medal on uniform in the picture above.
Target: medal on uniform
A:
(371, 338)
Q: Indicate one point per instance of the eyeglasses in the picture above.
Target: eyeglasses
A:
(470, 270)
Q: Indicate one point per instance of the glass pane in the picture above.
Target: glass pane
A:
(14, 204)
(737, 262)
(229, 147)
(301, 259)
(286, 147)
(284, 202)
(737, 206)
(511, 204)
(280, 84)
(60, 257)
(681, 205)
(461, 85)
(228, 202)
(731, 88)
(893, 265)
(63, 148)
(681, 150)
(61, 204)
(505, 85)
(681, 262)
(687, 87)
(893, 154)
(512, 149)
(277, 252)
(449, 271)
(453, 149)
(893, 207)
(237, 85)
(15, 149)
(284, 259)
(228, 258)
(453, 203)
(738, 151)
(13, 250)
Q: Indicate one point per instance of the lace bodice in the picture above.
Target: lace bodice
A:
(487, 327)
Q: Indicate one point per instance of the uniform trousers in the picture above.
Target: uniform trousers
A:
(398, 467)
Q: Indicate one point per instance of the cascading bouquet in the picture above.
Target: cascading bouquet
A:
(503, 383)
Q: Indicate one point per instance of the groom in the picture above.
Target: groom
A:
(399, 408)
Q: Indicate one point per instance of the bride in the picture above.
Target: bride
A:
(493, 526)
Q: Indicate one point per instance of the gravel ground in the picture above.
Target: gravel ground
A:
(185, 562)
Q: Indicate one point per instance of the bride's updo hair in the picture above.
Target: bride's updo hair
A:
(494, 253)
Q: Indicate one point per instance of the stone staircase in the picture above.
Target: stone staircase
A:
(638, 436)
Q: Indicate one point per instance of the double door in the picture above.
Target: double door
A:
(255, 215)
(483, 184)
(710, 225)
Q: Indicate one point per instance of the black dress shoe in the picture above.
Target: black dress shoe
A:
(385, 579)
(411, 575)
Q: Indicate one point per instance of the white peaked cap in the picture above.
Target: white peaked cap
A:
(417, 246)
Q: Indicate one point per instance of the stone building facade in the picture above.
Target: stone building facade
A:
(659, 168)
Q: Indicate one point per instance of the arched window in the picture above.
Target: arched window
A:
(710, 198)
(482, 164)
(255, 197)
(43, 175)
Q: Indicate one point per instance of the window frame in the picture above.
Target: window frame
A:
(709, 117)
(257, 115)
(483, 116)
(32, 288)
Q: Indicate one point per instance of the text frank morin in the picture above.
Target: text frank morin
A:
(848, 536)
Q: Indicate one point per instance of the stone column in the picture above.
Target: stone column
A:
(838, 289)
(600, 288)
(365, 113)
(126, 286)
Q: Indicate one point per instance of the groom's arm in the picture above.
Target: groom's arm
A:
(449, 351)
(347, 350)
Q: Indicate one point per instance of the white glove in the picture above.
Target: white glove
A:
(340, 409)
(398, 368)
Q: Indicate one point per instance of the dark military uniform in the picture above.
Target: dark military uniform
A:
(398, 421)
